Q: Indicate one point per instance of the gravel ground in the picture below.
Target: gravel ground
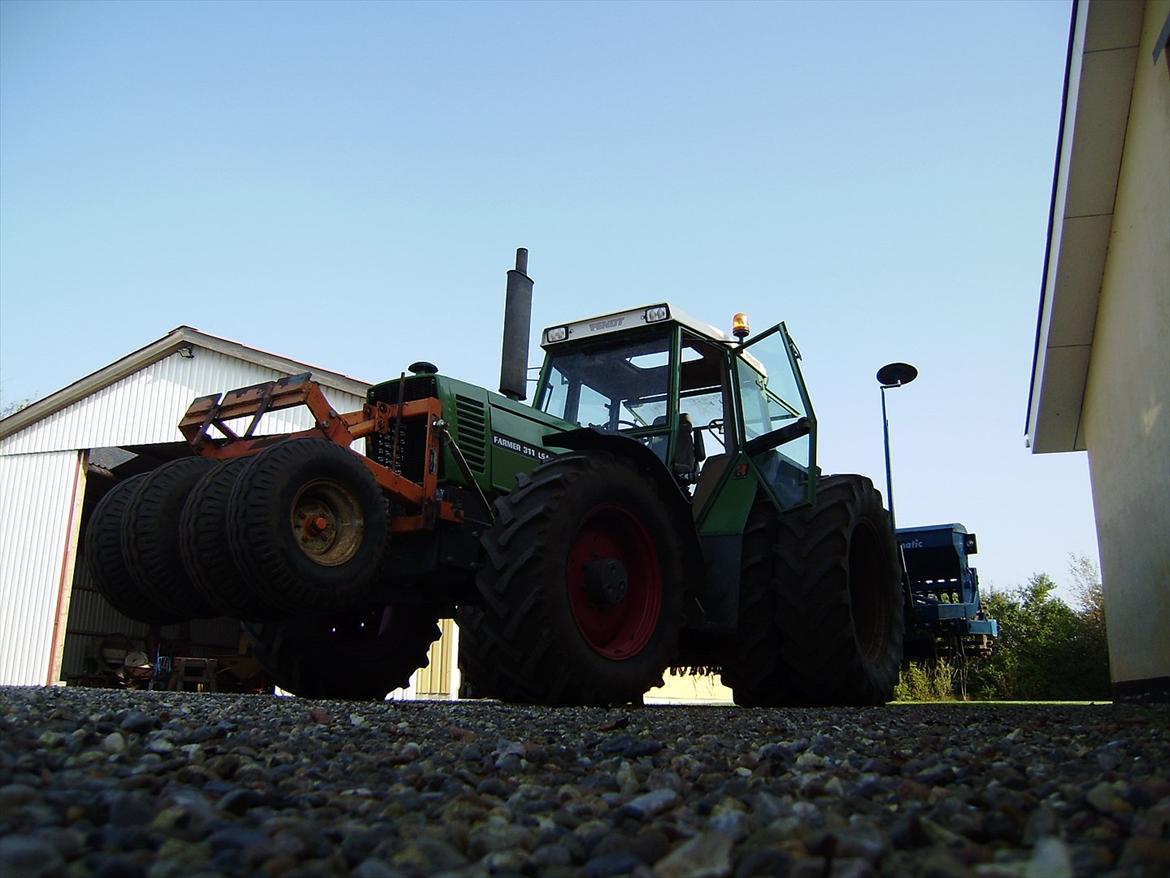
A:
(169, 784)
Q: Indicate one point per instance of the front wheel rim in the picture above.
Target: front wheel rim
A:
(622, 629)
(327, 522)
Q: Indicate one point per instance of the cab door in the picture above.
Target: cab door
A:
(776, 421)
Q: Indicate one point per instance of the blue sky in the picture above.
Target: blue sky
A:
(346, 184)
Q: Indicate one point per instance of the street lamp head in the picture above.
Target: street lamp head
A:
(896, 374)
(889, 376)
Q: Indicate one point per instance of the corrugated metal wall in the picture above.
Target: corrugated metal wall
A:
(36, 526)
(144, 408)
(37, 470)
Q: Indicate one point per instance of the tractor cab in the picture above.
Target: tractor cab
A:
(713, 409)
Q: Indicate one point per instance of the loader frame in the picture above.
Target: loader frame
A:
(217, 411)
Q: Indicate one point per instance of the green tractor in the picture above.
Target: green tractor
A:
(657, 505)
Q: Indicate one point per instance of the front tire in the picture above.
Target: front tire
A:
(581, 586)
(307, 526)
(203, 543)
(107, 562)
(150, 537)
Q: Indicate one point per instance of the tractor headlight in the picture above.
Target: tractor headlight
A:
(557, 333)
(656, 314)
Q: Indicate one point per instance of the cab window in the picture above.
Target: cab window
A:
(703, 390)
(771, 399)
(620, 387)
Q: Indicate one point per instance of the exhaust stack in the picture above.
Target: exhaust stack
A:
(517, 326)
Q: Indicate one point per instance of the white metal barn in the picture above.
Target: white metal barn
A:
(60, 454)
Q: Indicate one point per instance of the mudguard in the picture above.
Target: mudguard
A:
(588, 438)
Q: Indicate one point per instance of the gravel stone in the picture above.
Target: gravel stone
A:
(115, 743)
(652, 804)
(120, 867)
(734, 824)
(551, 855)
(15, 794)
(1050, 859)
(130, 808)
(374, 868)
(608, 865)
(241, 800)
(171, 785)
(705, 856)
(1150, 854)
(850, 868)
(135, 721)
(28, 857)
(430, 855)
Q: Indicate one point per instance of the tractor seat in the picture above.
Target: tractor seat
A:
(709, 480)
(659, 444)
(685, 467)
(686, 464)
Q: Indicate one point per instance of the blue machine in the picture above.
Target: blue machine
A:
(945, 613)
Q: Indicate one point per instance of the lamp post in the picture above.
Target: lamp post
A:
(890, 376)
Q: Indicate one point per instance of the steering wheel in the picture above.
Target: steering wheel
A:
(630, 424)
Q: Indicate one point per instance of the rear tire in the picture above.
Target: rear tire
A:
(357, 656)
(150, 537)
(107, 562)
(203, 543)
(307, 526)
(839, 613)
(581, 587)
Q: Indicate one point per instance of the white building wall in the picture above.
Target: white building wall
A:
(145, 407)
(39, 511)
(1127, 400)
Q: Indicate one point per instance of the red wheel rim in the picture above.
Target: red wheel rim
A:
(618, 630)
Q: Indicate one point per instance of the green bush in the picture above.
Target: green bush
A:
(1046, 650)
(926, 681)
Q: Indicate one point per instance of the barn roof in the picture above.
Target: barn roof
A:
(178, 339)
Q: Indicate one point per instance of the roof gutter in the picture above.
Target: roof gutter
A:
(1072, 28)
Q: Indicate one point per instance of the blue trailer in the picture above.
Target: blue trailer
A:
(945, 616)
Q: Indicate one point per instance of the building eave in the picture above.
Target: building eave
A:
(1099, 75)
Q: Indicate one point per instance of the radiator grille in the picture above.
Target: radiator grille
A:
(412, 441)
(470, 432)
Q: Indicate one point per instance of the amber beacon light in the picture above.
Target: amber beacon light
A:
(739, 326)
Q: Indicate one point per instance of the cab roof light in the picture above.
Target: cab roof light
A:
(557, 333)
(656, 314)
(739, 326)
